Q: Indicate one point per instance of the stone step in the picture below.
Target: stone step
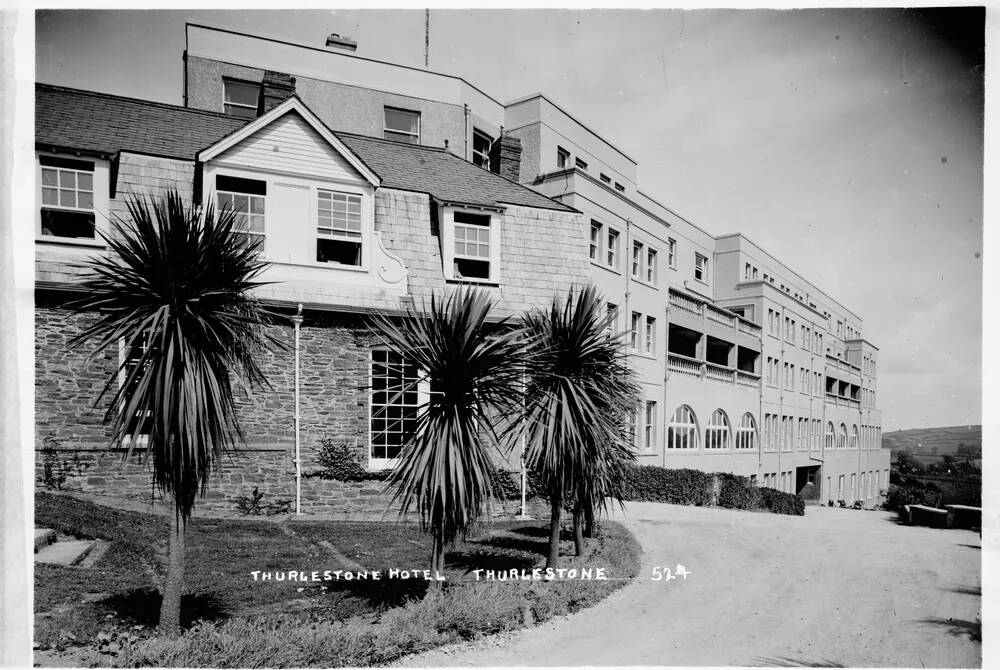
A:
(69, 552)
(44, 537)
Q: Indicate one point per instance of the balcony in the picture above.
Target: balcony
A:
(705, 309)
(842, 401)
(835, 363)
(692, 367)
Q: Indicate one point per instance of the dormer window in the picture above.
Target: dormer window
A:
(338, 228)
(471, 245)
(67, 198)
(245, 197)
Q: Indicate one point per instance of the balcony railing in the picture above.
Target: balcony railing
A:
(719, 315)
(842, 401)
(842, 365)
(693, 367)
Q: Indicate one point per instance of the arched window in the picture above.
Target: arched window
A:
(682, 431)
(746, 433)
(717, 431)
(854, 436)
(842, 438)
(829, 435)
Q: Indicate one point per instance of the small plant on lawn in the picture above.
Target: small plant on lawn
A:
(175, 292)
(580, 396)
(842, 503)
(859, 504)
(474, 373)
(251, 505)
(56, 470)
(340, 463)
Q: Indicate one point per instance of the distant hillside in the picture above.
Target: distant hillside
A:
(934, 441)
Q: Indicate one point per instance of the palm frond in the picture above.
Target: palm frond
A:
(177, 282)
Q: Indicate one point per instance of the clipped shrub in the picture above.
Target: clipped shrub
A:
(901, 496)
(779, 502)
(736, 492)
(682, 486)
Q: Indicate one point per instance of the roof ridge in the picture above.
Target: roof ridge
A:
(422, 147)
(154, 103)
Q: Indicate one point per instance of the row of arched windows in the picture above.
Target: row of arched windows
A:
(683, 433)
(840, 438)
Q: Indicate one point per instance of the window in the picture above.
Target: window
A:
(650, 335)
(605, 178)
(130, 357)
(649, 430)
(672, 252)
(472, 255)
(612, 319)
(396, 396)
(634, 427)
(830, 435)
(854, 436)
(746, 433)
(636, 320)
(481, 143)
(755, 274)
(651, 266)
(717, 431)
(637, 259)
(700, 267)
(581, 163)
(562, 158)
(682, 431)
(402, 125)
(67, 198)
(612, 248)
(842, 437)
(595, 240)
(747, 272)
(245, 197)
(338, 228)
(240, 98)
(619, 187)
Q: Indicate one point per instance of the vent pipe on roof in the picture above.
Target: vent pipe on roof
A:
(341, 42)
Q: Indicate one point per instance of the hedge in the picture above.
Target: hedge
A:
(683, 486)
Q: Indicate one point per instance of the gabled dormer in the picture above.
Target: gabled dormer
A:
(302, 192)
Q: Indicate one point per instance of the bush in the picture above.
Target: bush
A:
(251, 505)
(341, 464)
(901, 496)
(778, 502)
(649, 483)
(736, 492)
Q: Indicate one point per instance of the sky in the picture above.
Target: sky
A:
(846, 142)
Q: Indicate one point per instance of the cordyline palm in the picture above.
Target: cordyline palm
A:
(474, 371)
(579, 399)
(177, 283)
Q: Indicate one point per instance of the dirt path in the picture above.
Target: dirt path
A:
(842, 587)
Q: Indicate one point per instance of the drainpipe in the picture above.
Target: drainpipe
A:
(297, 322)
(625, 254)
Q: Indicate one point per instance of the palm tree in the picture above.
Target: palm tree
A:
(579, 400)
(176, 286)
(474, 372)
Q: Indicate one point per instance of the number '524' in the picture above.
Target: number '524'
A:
(664, 575)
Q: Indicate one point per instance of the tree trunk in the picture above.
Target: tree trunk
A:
(437, 560)
(588, 520)
(173, 586)
(578, 527)
(554, 529)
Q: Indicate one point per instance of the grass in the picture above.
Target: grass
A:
(235, 622)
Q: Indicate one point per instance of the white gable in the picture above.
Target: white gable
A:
(289, 144)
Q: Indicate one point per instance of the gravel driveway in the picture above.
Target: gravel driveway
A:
(837, 586)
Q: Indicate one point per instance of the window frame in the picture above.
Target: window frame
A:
(649, 426)
(637, 267)
(447, 219)
(649, 335)
(596, 245)
(562, 158)
(343, 237)
(703, 269)
(226, 103)
(423, 398)
(689, 428)
(652, 271)
(717, 435)
(123, 373)
(387, 129)
(671, 253)
(484, 157)
(746, 433)
(100, 199)
(216, 192)
(612, 249)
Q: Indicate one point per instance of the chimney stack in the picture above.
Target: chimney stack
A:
(341, 42)
(505, 157)
(275, 87)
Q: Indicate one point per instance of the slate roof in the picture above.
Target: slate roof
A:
(67, 118)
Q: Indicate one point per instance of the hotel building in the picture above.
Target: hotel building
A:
(369, 182)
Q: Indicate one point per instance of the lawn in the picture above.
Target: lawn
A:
(374, 621)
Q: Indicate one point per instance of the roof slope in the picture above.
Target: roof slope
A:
(70, 118)
(442, 174)
(74, 119)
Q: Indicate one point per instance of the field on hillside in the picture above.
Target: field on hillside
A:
(934, 441)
